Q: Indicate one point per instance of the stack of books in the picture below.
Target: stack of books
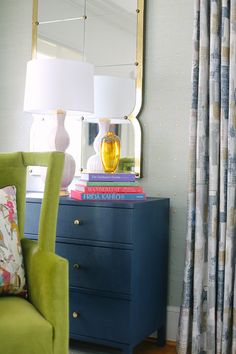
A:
(106, 186)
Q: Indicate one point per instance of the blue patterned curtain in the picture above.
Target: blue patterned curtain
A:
(207, 322)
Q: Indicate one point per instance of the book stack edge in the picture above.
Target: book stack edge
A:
(106, 186)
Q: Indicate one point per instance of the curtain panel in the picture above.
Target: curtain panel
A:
(207, 322)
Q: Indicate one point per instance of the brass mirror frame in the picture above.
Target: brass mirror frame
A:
(133, 117)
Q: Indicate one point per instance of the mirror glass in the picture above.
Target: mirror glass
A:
(103, 32)
(106, 38)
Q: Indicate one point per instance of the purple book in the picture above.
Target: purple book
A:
(108, 177)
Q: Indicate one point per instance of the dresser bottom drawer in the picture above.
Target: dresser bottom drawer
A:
(99, 317)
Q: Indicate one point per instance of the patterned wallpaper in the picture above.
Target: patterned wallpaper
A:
(164, 117)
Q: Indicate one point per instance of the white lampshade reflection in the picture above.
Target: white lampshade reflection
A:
(114, 97)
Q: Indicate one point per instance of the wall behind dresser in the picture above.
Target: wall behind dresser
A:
(15, 50)
(164, 116)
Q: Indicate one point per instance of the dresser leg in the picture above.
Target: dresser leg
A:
(161, 336)
(127, 350)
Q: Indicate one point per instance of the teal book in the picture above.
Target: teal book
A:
(107, 196)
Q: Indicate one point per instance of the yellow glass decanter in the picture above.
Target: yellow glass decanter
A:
(110, 152)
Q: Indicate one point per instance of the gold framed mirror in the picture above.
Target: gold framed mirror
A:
(109, 34)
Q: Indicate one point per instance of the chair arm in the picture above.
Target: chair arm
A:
(47, 279)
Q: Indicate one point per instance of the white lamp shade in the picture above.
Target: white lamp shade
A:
(114, 97)
(57, 84)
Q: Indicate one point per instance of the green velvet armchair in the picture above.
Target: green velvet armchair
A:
(38, 325)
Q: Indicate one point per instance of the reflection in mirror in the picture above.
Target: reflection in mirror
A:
(100, 32)
(113, 97)
(105, 33)
(124, 131)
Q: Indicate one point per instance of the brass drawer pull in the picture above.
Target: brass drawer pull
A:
(77, 222)
(75, 314)
(76, 266)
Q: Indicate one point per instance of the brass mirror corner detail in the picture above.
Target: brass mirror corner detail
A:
(47, 13)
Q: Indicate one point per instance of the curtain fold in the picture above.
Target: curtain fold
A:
(207, 322)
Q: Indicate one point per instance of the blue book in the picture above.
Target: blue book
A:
(108, 177)
(107, 196)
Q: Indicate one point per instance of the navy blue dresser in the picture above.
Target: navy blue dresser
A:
(118, 256)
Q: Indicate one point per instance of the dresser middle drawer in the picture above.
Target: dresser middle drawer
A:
(99, 268)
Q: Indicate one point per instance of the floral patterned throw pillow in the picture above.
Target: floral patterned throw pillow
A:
(12, 274)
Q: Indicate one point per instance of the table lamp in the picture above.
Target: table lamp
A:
(114, 99)
(56, 87)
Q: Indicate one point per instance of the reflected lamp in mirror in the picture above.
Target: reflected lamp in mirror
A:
(57, 87)
(114, 100)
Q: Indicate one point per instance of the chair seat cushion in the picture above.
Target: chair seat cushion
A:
(22, 328)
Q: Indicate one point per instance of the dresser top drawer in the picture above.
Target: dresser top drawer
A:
(84, 222)
(95, 221)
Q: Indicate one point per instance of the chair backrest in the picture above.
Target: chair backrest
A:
(13, 170)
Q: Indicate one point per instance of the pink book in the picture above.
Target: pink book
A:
(109, 189)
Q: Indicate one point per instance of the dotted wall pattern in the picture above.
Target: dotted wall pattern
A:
(165, 120)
